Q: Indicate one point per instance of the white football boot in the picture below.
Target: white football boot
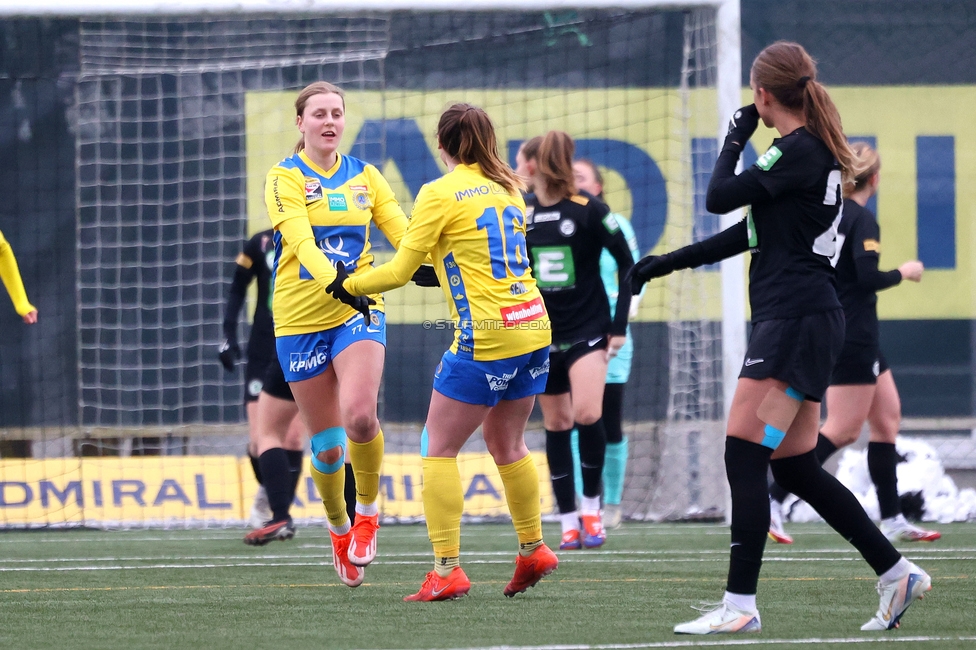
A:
(896, 596)
(721, 618)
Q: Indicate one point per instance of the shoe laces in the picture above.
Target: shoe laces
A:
(705, 607)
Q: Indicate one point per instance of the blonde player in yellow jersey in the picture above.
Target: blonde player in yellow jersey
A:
(322, 205)
(10, 274)
(472, 223)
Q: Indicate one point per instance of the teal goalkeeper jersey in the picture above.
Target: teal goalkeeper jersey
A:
(608, 266)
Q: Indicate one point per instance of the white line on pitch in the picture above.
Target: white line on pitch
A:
(728, 642)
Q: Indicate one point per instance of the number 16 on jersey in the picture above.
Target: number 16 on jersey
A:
(506, 241)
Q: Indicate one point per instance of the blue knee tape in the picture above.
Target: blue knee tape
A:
(423, 443)
(773, 437)
(325, 440)
(795, 394)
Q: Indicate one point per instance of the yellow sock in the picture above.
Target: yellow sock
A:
(443, 504)
(521, 481)
(444, 565)
(367, 459)
(331, 488)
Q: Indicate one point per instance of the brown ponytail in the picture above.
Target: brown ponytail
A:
(466, 133)
(790, 74)
(553, 154)
(309, 91)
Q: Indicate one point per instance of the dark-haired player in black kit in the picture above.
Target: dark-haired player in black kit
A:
(862, 387)
(798, 330)
(566, 233)
(276, 433)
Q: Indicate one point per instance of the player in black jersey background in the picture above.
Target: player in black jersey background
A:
(794, 190)
(862, 387)
(566, 233)
(273, 422)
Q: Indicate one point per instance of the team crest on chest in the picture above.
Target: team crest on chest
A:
(360, 196)
(313, 189)
(567, 227)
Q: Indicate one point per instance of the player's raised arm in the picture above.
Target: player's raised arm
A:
(10, 274)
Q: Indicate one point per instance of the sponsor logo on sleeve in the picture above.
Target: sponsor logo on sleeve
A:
(610, 223)
(523, 312)
(768, 159)
(313, 190)
(872, 245)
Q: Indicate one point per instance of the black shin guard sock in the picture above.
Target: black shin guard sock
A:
(350, 493)
(277, 482)
(824, 449)
(746, 464)
(295, 458)
(592, 453)
(613, 412)
(255, 467)
(804, 476)
(559, 452)
(883, 468)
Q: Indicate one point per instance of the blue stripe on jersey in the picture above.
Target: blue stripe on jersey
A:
(348, 168)
(276, 238)
(460, 297)
(340, 244)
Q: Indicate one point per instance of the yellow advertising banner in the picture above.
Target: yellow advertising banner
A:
(926, 136)
(155, 490)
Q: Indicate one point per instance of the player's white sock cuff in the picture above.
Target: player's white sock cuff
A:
(367, 510)
(745, 602)
(897, 572)
(570, 521)
(591, 505)
(341, 530)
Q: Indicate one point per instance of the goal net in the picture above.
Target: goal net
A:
(178, 119)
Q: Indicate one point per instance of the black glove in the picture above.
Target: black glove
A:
(359, 303)
(741, 127)
(425, 277)
(229, 353)
(648, 268)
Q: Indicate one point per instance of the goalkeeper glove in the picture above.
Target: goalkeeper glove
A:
(741, 127)
(359, 303)
(648, 268)
(426, 277)
(229, 353)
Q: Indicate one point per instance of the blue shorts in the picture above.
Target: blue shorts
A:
(618, 370)
(303, 356)
(488, 382)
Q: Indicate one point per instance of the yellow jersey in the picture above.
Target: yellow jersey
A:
(474, 230)
(340, 204)
(10, 275)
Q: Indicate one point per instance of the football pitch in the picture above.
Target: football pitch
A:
(205, 589)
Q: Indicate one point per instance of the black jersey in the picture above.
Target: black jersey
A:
(254, 262)
(793, 232)
(858, 278)
(565, 242)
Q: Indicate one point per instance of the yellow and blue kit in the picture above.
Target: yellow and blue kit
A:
(474, 231)
(10, 274)
(322, 218)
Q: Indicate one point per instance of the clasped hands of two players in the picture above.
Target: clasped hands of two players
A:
(741, 127)
(423, 277)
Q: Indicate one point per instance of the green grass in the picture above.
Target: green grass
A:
(205, 589)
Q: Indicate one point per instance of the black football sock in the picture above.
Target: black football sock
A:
(295, 459)
(255, 467)
(804, 476)
(613, 412)
(559, 453)
(883, 468)
(746, 464)
(824, 450)
(350, 493)
(592, 451)
(277, 482)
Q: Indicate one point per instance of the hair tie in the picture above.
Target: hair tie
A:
(802, 83)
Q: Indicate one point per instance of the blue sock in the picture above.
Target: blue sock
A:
(614, 469)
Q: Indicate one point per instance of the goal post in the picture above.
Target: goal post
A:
(182, 106)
